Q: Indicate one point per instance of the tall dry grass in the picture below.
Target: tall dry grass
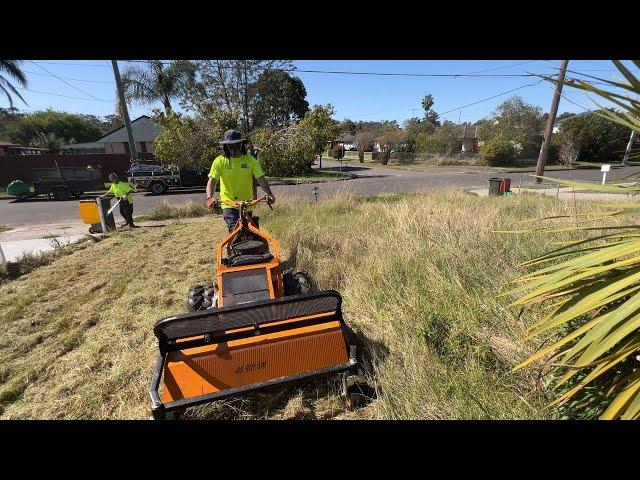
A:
(419, 275)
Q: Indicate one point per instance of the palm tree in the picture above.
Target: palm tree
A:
(11, 69)
(592, 286)
(157, 82)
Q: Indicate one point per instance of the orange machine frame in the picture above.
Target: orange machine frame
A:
(230, 359)
(272, 266)
(216, 353)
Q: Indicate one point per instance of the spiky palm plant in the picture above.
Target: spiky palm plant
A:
(157, 82)
(11, 69)
(592, 287)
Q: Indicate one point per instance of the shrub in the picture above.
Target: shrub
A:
(497, 152)
(284, 152)
(337, 152)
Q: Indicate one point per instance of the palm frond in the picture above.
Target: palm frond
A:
(592, 284)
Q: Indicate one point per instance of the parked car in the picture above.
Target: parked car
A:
(157, 179)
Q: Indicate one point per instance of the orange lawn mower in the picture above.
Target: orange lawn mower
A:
(253, 328)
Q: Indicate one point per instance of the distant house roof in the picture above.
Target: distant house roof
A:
(79, 146)
(144, 130)
(348, 138)
(8, 144)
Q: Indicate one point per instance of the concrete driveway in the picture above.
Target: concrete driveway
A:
(370, 180)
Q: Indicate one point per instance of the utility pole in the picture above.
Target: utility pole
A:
(125, 111)
(546, 142)
(632, 139)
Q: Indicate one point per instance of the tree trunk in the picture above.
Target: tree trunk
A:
(167, 105)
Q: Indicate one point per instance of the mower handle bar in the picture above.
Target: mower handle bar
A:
(248, 204)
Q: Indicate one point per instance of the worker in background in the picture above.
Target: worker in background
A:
(123, 191)
(235, 170)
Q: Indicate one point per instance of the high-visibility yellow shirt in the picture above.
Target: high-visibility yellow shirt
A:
(236, 177)
(121, 189)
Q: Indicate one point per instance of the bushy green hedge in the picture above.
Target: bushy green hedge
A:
(497, 152)
(284, 152)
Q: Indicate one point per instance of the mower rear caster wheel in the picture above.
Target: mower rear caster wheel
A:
(296, 283)
(356, 391)
(353, 401)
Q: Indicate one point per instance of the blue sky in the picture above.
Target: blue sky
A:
(358, 97)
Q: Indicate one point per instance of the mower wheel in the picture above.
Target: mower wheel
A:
(200, 298)
(296, 283)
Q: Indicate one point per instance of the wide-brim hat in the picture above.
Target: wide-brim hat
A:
(232, 137)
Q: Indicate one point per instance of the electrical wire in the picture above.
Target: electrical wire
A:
(65, 96)
(67, 78)
(65, 82)
(492, 97)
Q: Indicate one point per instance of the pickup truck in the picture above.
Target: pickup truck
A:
(157, 179)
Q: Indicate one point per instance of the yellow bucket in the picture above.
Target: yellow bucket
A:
(89, 211)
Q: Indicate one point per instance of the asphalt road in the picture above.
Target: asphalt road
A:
(374, 180)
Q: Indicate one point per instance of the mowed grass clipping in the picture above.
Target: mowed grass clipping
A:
(419, 275)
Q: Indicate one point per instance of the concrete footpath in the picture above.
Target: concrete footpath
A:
(36, 239)
(40, 238)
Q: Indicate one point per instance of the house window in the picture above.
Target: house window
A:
(126, 147)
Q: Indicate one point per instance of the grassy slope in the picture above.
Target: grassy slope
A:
(419, 276)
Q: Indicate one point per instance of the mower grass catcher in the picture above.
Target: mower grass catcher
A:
(253, 328)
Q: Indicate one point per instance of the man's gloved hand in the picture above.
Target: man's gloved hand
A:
(213, 203)
(271, 199)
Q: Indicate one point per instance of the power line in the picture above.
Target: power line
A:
(65, 82)
(384, 74)
(77, 64)
(504, 66)
(67, 78)
(66, 96)
(492, 97)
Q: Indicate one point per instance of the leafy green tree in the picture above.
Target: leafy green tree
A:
(320, 126)
(348, 126)
(414, 127)
(595, 137)
(284, 151)
(228, 85)
(445, 140)
(498, 151)
(364, 141)
(191, 141)
(516, 121)
(51, 141)
(157, 82)
(67, 126)
(10, 70)
(279, 99)
(391, 141)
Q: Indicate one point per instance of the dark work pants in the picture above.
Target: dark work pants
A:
(126, 210)
(231, 216)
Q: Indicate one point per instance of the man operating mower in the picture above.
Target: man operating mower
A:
(235, 170)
